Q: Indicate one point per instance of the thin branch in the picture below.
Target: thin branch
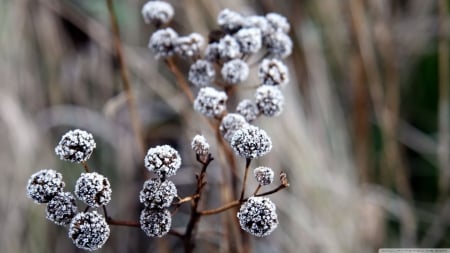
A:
(185, 199)
(222, 208)
(86, 167)
(244, 183)
(180, 79)
(256, 190)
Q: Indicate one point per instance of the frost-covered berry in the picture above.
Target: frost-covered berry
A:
(212, 53)
(228, 48)
(235, 71)
(162, 42)
(258, 216)
(89, 230)
(230, 21)
(278, 44)
(249, 39)
(75, 146)
(248, 109)
(157, 12)
(201, 73)
(273, 72)
(44, 185)
(278, 22)
(269, 100)
(155, 222)
(93, 189)
(230, 124)
(189, 46)
(156, 193)
(163, 160)
(200, 145)
(263, 175)
(259, 22)
(61, 209)
(210, 102)
(251, 142)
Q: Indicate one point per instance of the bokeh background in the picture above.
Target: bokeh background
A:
(364, 138)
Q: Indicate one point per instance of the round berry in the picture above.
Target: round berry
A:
(230, 124)
(248, 109)
(93, 189)
(162, 42)
(258, 216)
(200, 145)
(44, 185)
(264, 175)
(89, 230)
(157, 194)
(251, 142)
(75, 146)
(201, 73)
(61, 209)
(235, 71)
(273, 72)
(269, 100)
(210, 102)
(157, 12)
(163, 160)
(155, 222)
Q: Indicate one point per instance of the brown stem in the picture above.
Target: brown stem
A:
(180, 79)
(256, 190)
(185, 199)
(280, 187)
(247, 166)
(222, 208)
(86, 167)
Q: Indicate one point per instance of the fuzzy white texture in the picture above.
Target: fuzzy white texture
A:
(251, 142)
(229, 48)
(263, 175)
(89, 230)
(269, 100)
(212, 53)
(157, 194)
(210, 102)
(235, 71)
(278, 22)
(157, 12)
(163, 160)
(162, 42)
(200, 145)
(44, 185)
(230, 124)
(201, 73)
(230, 21)
(273, 72)
(249, 39)
(248, 109)
(93, 189)
(189, 46)
(258, 216)
(259, 22)
(279, 44)
(75, 146)
(155, 222)
(61, 209)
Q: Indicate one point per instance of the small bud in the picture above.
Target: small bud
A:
(162, 42)
(278, 22)
(230, 21)
(189, 46)
(230, 124)
(75, 146)
(210, 102)
(249, 39)
(228, 48)
(89, 230)
(157, 194)
(163, 160)
(61, 209)
(44, 185)
(93, 189)
(155, 222)
(201, 73)
(235, 71)
(157, 12)
(269, 100)
(248, 109)
(251, 142)
(200, 145)
(258, 216)
(278, 44)
(263, 175)
(273, 72)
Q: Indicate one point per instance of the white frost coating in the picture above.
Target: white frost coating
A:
(228, 48)
(249, 39)
(163, 160)
(157, 194)
(273, 72)
(189, 46)
(75, 146)
(44, 185)
(258, 216)
(200, 145)
(157, 12)
(162, 42)
(235, 71)
(93, 189)
(212, 52)
(230, 21)
(269, 100)
(248, 109)
(251, 142)
(210, 102)
(230, 124)
(89, 231)
(263, 175)
(259, 22)
(201, 73)
(61, 209)
(278, 22)
(278, 44)
(155, 222)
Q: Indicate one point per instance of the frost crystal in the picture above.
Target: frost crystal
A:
(155, 222)
(61, 209)
(230, 124)
(258, 216)
(264, 175)
(163, 160)
(251, 142)
(259, 22)
(230, 21)
(270, 100)
(279, 44)
(249, 39)
(157, 12)
(201, 73)
(248, 109)
(235, 71)
(75, 146)
(278, 22)
(93, 189)
(89, 231)
(229, 48)
(210, 102)
(162, 42)
(157, 194)
(273, 72)
(189, 46)
(212, 53)
(44, 185)
(200, 145)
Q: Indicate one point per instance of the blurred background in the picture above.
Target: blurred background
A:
(364, 137)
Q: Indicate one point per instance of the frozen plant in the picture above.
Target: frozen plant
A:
(163, 160)
(61, 208)
(210, 102)
(235, 71)
(44, 185)
(263, 175)
(248, 109)
(157, 12)
(93, 189)
(89, 230)
(163, 42)
(273, 72)
(189, 46)
(155, 222)
(258, 216)
(230, 124)
(251, 142)
(156, 193)
(201, 73)
(75, 146)
(269, 100)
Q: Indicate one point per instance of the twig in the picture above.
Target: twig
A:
(256, 190)
(86, 167)
(222, 208)
(244, 183)
(180, 79)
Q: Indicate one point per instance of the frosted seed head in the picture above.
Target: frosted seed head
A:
(163, 160)
(269, 100)
(235, 71)
(230, 21)
(93, 189)
(201, 73)
(155, 222)
(156, 193)
(278, 44)
(278, 22)
(251, 142)
(249, 39)
(263, 175)
(210, 102)
(228, 48)
(230, 124)
(212, 53)
(200, 145)
(248, 109)
(157, 12)
(189, 46)
(273, 72)
(259, 22)
(44, 185)
(258, 216)
(75, 146)
(162, 42)
(89, 230)
(61, 209)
